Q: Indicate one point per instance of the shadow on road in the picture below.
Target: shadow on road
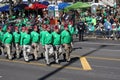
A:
(59, 69)
(75, 48)
(102, 46)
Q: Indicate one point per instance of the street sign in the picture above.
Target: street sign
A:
(56, 11)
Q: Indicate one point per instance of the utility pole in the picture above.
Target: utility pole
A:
(11, 7)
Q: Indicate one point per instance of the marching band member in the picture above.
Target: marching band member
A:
(7, 40)
(21, 38)
(47, 41)
(35, 40)
(57, 43)
(1, 37)
(26, 44)
(41, 46)
(66, 40)
(16, 36)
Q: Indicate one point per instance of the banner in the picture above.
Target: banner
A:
(108, 2)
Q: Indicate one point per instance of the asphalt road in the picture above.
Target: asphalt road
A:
(91, 60)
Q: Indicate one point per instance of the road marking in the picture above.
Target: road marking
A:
(40, 64)
(99, 58)
(85, 64)
(103, 58)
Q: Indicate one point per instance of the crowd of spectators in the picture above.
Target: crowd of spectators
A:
(105, 22)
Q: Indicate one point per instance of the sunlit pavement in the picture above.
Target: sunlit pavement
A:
(90, 60)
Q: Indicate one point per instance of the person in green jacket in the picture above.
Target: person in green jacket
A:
(94, 21)
(71, 29)
(21, 38)
(66, 40)
(57, 43)
(7, 41)
(1, 37)
(35, 40)
(42, 32)
(26, 41)
(47, 41)
(41, 45)
(16, 36)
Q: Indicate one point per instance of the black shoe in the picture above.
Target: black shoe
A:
(42, 56)
(64, 56)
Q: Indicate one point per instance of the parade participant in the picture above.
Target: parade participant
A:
(1, 36)
(71, 30)
(35, 40)
(66, 40)
(16, 36)
(26, 44)
(42, 33)
(71, 27)
(41, 46)
(21, 38)
(57, 43)
(7, 41)
(47, 41)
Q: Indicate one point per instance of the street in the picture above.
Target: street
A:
(92, 59)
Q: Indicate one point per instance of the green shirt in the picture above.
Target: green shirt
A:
(47, 38)
(47, 22)
(16, 36)
(88, 20)
(92, 28)
(4, 28)
(94, 21)
(118, 29)
(21, 37)
(56, 38)
(1, 36)
(7, 38)
(26, 39)
(35, 37)
(66, 37)
(41, 36)
(71, 29)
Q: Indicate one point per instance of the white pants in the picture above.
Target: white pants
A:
(26, 51)
(17, 47)
(1, 49)
(48, 51)
(8, 50)
(57, 51)
(35, 50)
